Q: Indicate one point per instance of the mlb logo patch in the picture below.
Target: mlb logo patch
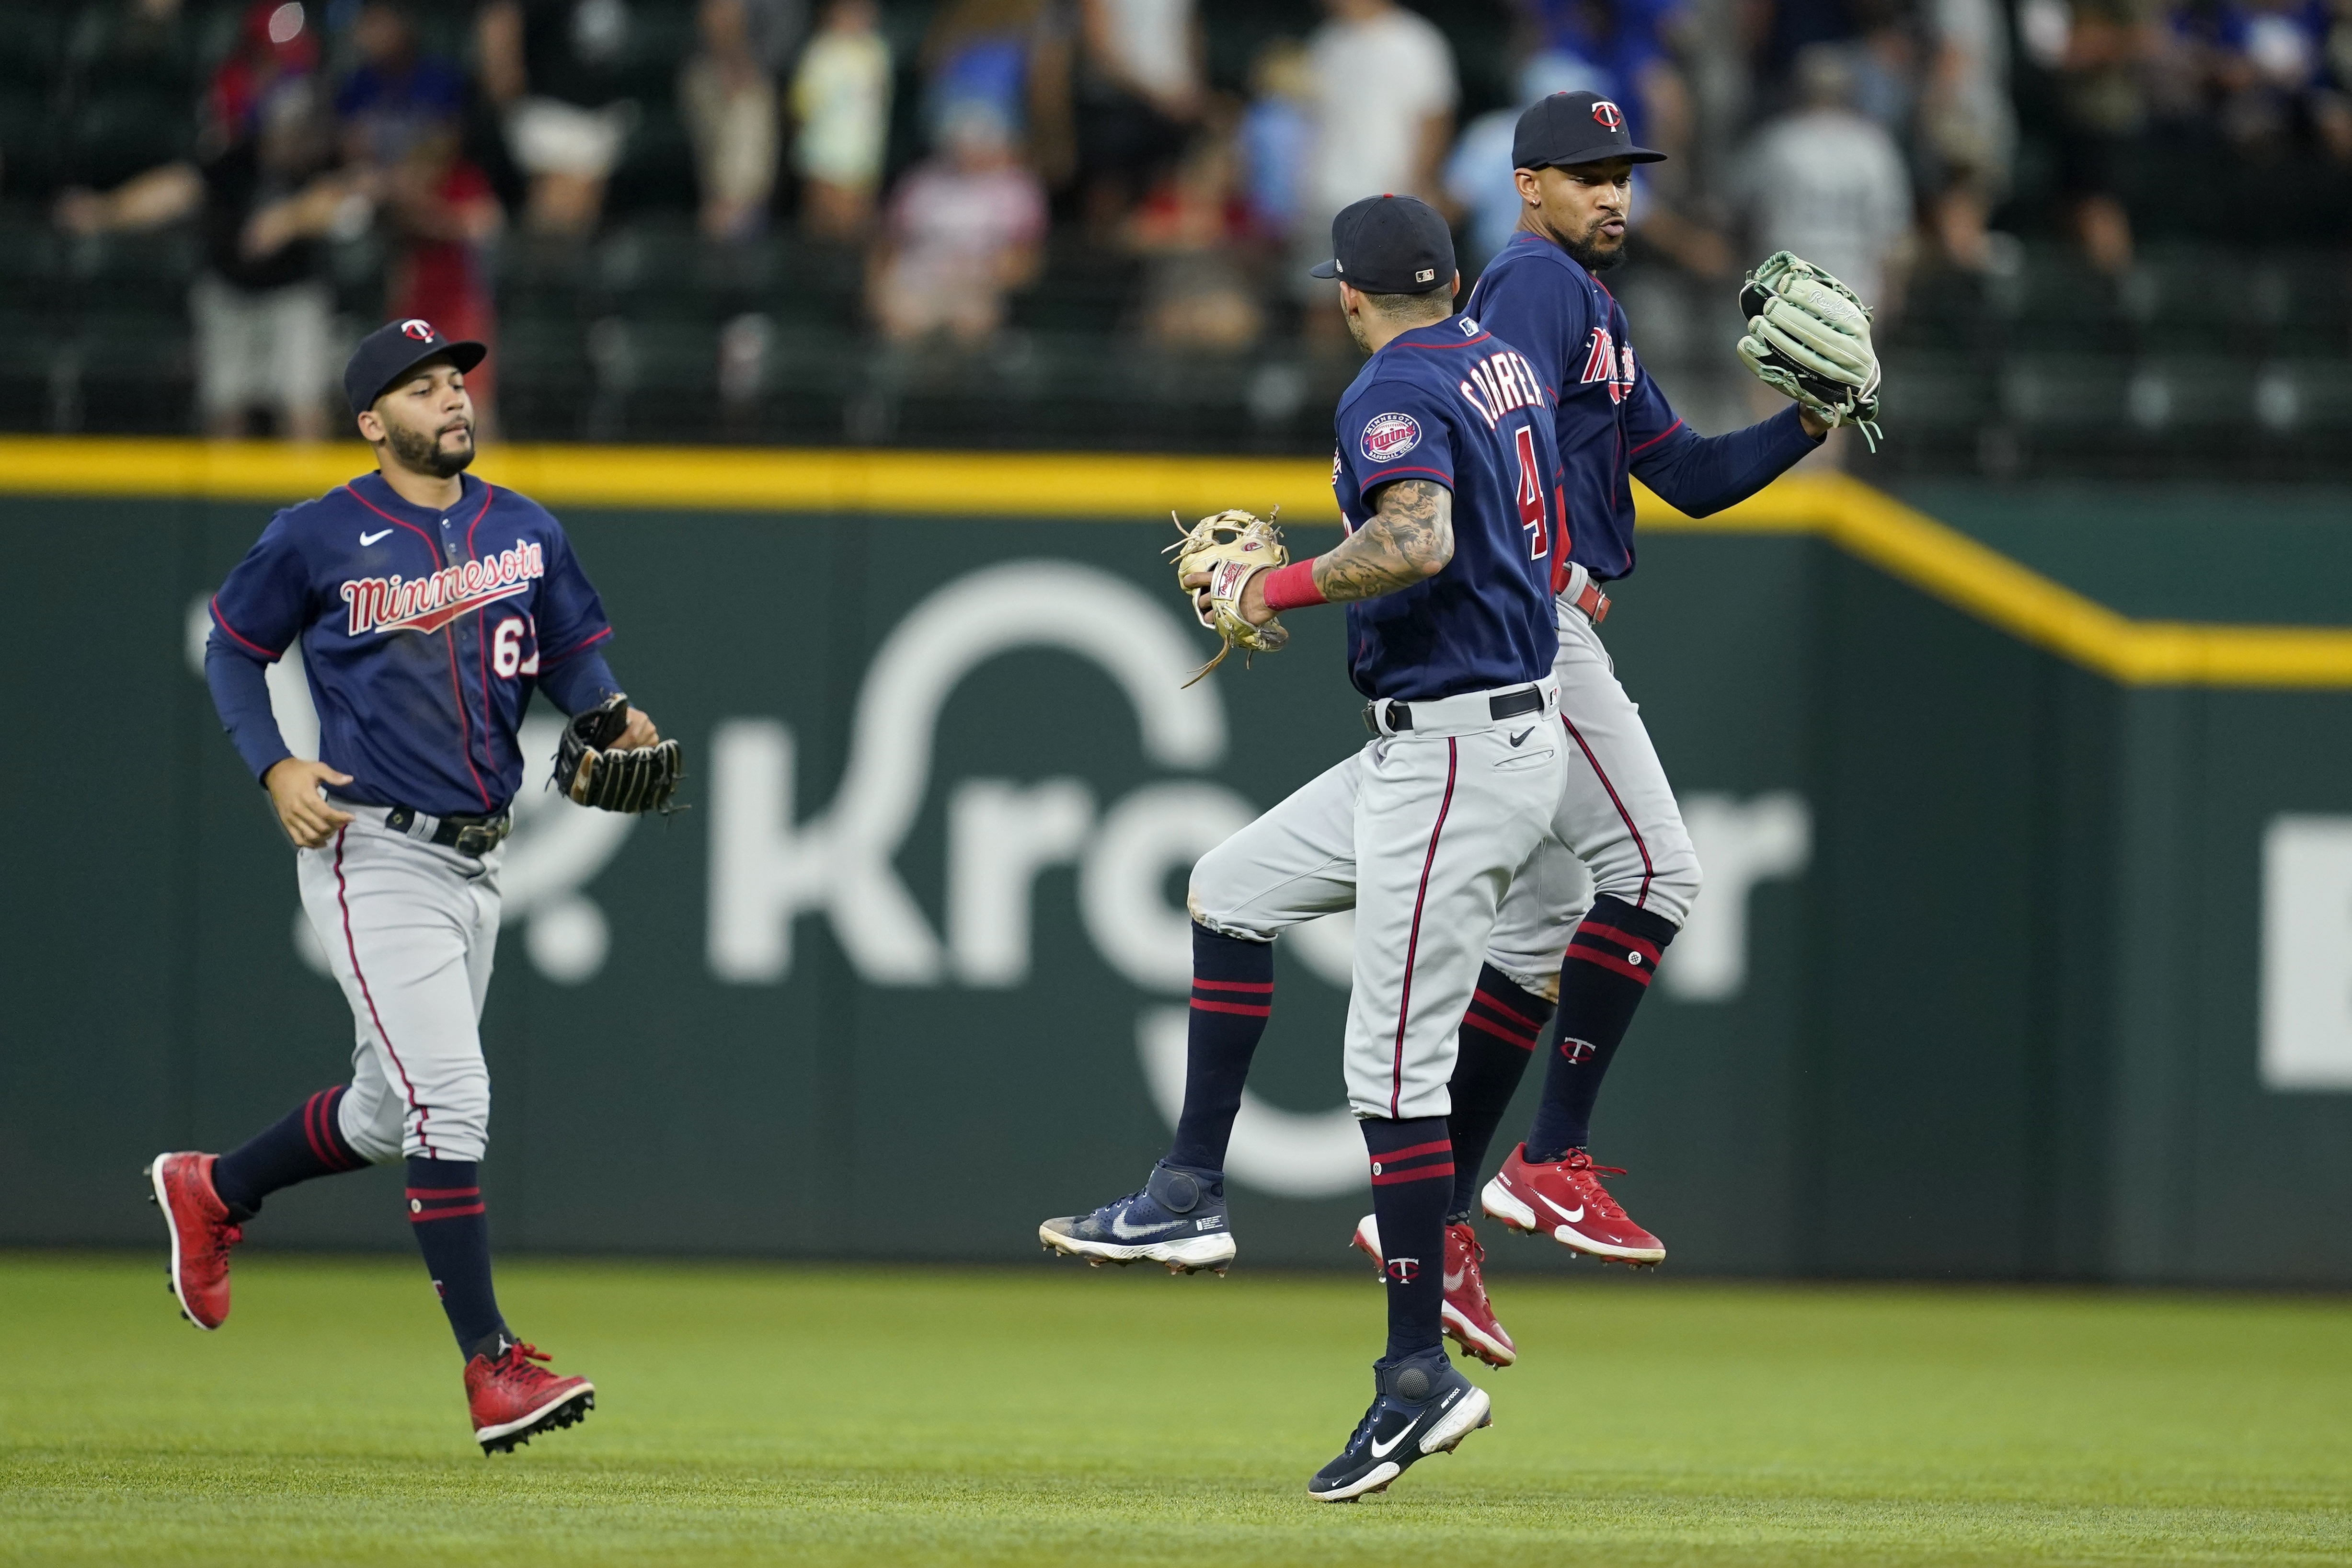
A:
(1389, 436)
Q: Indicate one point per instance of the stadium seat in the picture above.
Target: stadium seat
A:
(2063, 392)
(2058, 304)
(125, 130)
(137, 365)
(1937, 391)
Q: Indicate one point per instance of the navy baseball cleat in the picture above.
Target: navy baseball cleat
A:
(1178, 1220)
(1420, 1407)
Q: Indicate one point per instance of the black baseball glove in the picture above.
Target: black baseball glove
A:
(642, 779)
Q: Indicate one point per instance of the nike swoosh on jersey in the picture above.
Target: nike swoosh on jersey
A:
(1523, 735)
(368, 539)
(1563, 1213)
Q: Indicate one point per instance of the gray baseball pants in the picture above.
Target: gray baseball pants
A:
(411, 929)
(1420, 832)
(1616, 814)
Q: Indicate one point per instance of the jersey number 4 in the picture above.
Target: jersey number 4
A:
(1531, 501)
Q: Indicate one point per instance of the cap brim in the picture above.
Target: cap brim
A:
(465, 354)
(1602, 154)
(1325, 269)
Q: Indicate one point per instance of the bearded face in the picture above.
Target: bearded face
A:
(441, 453)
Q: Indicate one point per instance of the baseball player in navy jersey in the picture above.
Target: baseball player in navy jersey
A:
(1617, 813)
(1446, 480)
(429, 606)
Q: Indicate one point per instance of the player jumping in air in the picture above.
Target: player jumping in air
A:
(429, 605)
(1807, 337)
(1447, 480)
(1574, 159)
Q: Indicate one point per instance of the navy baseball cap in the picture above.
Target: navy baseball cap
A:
(1571, 128)
(1390, 244)
(387, 354)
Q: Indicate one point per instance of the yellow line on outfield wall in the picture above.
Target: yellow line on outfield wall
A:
(978, 483)
(1867, 523)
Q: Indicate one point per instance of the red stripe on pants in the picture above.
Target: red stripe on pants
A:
(1412, 942)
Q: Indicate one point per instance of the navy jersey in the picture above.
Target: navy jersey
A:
(423, 632)
(1454, 404)
(1608, 415)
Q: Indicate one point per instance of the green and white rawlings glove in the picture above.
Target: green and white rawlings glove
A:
(1809, 338)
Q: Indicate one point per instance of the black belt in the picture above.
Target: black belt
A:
(475, 836)
(1508, 705)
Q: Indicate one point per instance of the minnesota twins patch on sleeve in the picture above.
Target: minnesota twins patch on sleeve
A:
(1388, 436)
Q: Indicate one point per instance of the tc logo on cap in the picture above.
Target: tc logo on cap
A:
(420, 331)
(1611, 117)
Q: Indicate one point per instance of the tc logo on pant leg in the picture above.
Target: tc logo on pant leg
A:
(1578, 1051)
(1403, 1271)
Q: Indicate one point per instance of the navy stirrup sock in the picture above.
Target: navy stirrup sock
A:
(1602, 978)
(1412, 1180)
(1498, 1041)
(1232, 996)
(305, 1142)
(446, 1211)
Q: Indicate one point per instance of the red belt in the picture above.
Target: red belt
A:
(1591, 603)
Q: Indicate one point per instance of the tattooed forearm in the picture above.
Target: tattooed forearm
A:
(1410, 537)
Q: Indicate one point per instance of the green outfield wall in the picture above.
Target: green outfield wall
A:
(2006, 968)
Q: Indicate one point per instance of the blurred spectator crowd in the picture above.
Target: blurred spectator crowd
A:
(801, 219)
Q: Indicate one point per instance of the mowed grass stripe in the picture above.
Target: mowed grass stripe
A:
(1053, 1414)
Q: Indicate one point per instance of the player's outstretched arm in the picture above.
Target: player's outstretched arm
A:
(1699, 474)
(1409, 538)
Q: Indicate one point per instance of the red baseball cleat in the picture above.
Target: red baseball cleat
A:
(1469, 1320)
(200, 1236)
(1567, 1202)
(513, 1401)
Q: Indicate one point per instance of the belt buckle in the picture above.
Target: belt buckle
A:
(477, 840)
(1396, 726)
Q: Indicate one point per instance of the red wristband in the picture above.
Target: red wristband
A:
(1289, 587)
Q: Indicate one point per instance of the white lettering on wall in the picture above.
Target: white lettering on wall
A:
(767, 869)
(1739, 843)
(1001, 834)
(2306, 1001)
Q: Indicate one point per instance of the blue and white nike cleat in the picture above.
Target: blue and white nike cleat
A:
(1420, 1407)
(1178, 1220)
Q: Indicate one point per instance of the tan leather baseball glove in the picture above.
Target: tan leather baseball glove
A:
(1231, 547)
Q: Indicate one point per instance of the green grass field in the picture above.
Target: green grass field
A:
(1053, 1414)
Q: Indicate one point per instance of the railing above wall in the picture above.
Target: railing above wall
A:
(1867, 523)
